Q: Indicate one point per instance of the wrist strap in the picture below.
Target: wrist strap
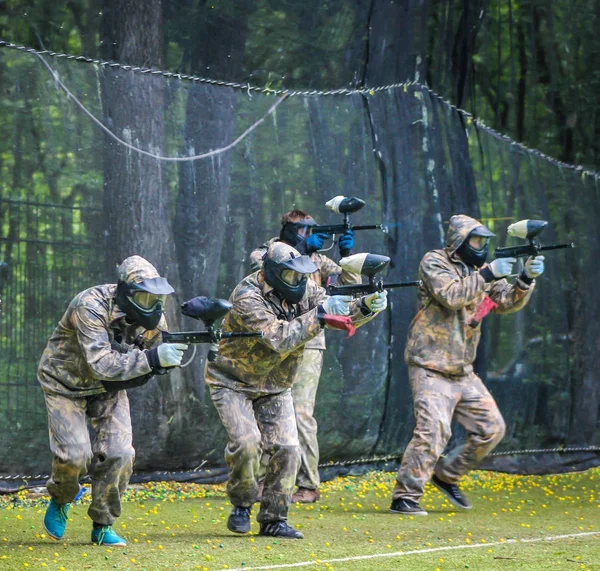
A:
(487, 274)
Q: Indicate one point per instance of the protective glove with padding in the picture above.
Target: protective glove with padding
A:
(501, 267)
(170, 354)
(346, 243)
(534, 266)
(315, 242)
(377, 301)
(337, 304)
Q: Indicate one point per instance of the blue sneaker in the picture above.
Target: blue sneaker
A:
(55, 520)
(106, 535)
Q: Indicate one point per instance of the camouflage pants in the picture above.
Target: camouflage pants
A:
(436, 400)
(110, 455)
(255, 423)
(304, 393)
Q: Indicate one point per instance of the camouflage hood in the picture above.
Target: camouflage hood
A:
(460, 227)
(138, 270)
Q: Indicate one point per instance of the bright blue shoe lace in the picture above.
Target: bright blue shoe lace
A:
(106, 535)
(55, 520)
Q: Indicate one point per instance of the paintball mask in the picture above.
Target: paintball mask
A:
(472, 255)
(295, 233)
(143, 302)
(141, 292)
(287, 272)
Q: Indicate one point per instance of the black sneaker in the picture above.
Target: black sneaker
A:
(239, 520)
(280, 529)
(453, 492)
(408, 507)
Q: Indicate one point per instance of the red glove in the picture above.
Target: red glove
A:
(342, 322)
(484, 308)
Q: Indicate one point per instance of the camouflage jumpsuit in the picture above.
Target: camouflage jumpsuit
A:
(92, 343)
(306, 380)
(250, 385)
(440, 350)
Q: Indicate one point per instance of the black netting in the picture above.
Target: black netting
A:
(74, 203)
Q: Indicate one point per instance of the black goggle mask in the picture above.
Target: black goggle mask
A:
(143, 302)
(289, 278)
(146, 301)
(295, 233)
(473, 256)
(293, 278)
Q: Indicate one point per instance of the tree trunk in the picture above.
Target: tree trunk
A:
(202, 213)
(136, 201)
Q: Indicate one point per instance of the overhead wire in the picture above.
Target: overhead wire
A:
(470, 119)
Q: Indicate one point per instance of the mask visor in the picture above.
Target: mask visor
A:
(292, 277)
(148, 301)
(301, 264)
(478, 243)
(158, 286)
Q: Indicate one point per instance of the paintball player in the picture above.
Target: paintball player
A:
(458, 289)
(296, 232)
(250, 381)
(106, 341)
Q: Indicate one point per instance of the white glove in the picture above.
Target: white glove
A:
(337, 304)
(170, 354)
(376, 301)
(501, 267)
(534, 266)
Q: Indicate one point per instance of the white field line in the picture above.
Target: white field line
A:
(415, 552)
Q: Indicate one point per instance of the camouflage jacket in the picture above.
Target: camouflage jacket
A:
(327, 268)
(93, 343)
(268, 364)
(441, 336)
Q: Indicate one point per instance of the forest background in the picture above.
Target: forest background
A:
(73, 203)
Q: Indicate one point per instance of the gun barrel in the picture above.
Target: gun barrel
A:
(192, 337)
(362, 289)
(558, 246)
(241, 334)
(189, 337)
(403, 284)
(341, 228)
(329, 229)
(366, 289)
(516, 251)
(367, 227)
(528, 250)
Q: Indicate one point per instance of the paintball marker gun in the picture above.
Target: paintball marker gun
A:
(528, 230)
(346, 206)
(368, 265)
(208, 311)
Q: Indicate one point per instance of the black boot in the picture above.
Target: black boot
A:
(239, 520)
(280, 528)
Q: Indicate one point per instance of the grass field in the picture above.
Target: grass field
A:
(517, 523)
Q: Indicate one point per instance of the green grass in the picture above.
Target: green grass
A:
(177, 526)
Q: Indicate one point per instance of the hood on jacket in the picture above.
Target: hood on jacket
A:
(459, 229)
